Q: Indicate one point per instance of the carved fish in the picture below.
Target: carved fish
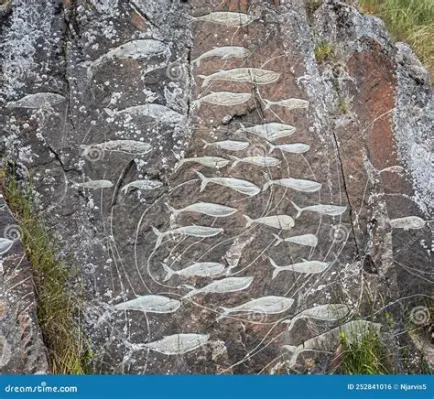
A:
(225, 98)
(224, 53)
(93, 184)
(156, 111)
(408, 223)
(207, 208)
(128, 146)
(178, 344)
(142, 185)
(305, 267)
(331, 210)
(269, 131)
(242, 186)
(151, 304)
(202, 269)
(5, 245)
(136, 49)
(231, 19)
(297, 148)
(393, 169)
(305, 186)
(37, 100)
(210, 162)
(353, 331)
(290, 103)
(262, 161)
(193, 231)
(242, 75)
(330, 312)
(309, 240)
(283, 222)
(264, 305)
(228, 145)
(229, 284)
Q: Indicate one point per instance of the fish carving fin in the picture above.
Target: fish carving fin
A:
(298, 209)
(159, 235)
(279, 240)
(169, 272)
(276, 270)
(204, 180)
(267, 103)
(249, 220)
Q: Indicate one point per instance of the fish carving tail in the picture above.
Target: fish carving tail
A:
(276, 270)
(206, 144)
(268, 104)
(204, 180)
(159, 235)
(225, 312)
(272, 147)
(109, 112)
(298, 209)
(236, 161)
(193, 291)
(279, 240)
(169, 272)
(249, 220)
(174, 211)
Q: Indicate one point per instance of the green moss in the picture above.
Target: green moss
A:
(325, 52)
(58, 307)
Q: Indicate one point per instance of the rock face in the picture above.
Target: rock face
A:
(216, 169)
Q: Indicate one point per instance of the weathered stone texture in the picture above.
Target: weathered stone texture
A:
(140, 72)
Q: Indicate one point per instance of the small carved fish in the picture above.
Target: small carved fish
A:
(262, 161)
(37, 100)
(136, 49)
(330, 312)
(242, 186)
(178, 344)
(305, 186)
(393, 169)
(224, 53)
(207, 208)
(331, 210)
(202, 269)
(5, 245)
(151, 304)
(309, 240)
(229, 284)
(156, 111)
(297, 148)
(264, 305)
(210, 162)
(93, 184)
(193, 231)
(225, 98)
(353, 331)
(142, 185)
(283, 222)
(408, 223)
(128, 146)
(228, 145)
(305, 267)
(231, 19)
(269, 131)
(242, 75)
(290, 103)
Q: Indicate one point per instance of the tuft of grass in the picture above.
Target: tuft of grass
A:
(364, 355)
(325, 51)
(411, 21)
(58, 307)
